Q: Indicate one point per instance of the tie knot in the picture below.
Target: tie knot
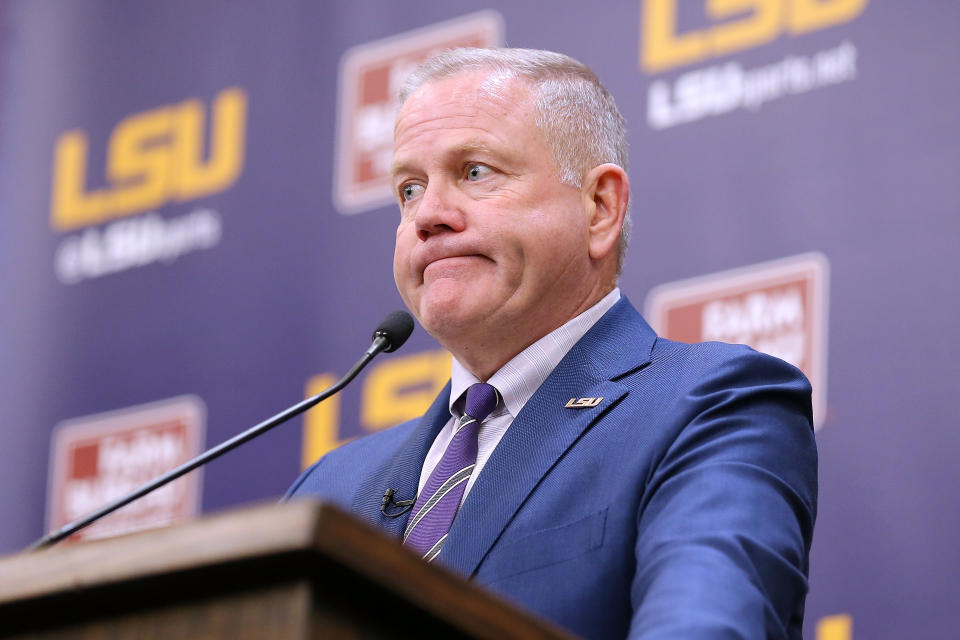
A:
(482, 398)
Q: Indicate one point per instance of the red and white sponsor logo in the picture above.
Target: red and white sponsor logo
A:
(777, 307)
(370, 79)
(96, 459)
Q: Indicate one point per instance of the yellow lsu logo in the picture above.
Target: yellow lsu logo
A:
(395, 390)
(760, 21)
(153, 158)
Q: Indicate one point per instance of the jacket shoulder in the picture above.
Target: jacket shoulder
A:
(694, 360)
(337, 474)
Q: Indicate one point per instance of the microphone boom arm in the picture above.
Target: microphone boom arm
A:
(381, 342)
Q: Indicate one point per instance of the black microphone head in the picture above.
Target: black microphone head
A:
(396, 328)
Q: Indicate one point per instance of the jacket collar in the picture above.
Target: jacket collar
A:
(619, 343)
(402, 472)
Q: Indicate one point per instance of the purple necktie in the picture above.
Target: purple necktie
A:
(437, 504)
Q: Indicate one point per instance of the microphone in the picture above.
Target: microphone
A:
(389, 336)
(393, 331)
(388, 498)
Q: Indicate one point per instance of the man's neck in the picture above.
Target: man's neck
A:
(483, 355)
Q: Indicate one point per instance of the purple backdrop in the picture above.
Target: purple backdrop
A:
(826, 125)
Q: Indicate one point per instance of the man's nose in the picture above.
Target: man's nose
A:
(439, 211)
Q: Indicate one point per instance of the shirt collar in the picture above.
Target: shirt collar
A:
(522, 376)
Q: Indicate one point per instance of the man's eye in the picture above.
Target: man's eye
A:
(410, 191)
(478, 171)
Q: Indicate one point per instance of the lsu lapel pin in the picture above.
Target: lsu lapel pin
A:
(582, 403)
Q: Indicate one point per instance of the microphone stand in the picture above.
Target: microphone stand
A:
(381, 342)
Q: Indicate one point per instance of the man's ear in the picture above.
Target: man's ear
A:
(606, 190)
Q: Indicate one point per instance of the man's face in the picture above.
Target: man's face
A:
(489, 240)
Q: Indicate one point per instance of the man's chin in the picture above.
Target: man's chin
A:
(447, 317)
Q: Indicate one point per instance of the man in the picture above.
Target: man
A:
(615, 482)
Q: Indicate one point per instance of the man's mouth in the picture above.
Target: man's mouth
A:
(451, 263)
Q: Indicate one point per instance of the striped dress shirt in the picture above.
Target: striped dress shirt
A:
(516, 381)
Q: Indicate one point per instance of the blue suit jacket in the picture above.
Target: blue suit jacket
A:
(681, 506)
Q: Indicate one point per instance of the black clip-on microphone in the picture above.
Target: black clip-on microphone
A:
(388, 498)
(389, 336)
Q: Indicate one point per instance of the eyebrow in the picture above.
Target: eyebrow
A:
(470, 147)
(462, 149)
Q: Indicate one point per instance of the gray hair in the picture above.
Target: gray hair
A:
(574, 111)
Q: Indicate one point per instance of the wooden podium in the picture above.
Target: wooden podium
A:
(298, 570)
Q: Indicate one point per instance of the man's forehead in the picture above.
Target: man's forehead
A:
(456, 104)
(461, 147)
(458, 144)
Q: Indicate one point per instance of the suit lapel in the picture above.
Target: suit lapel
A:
(402, 472)
(535, 441)
(545, 429)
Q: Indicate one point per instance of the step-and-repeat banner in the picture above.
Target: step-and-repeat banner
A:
(196, 230)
